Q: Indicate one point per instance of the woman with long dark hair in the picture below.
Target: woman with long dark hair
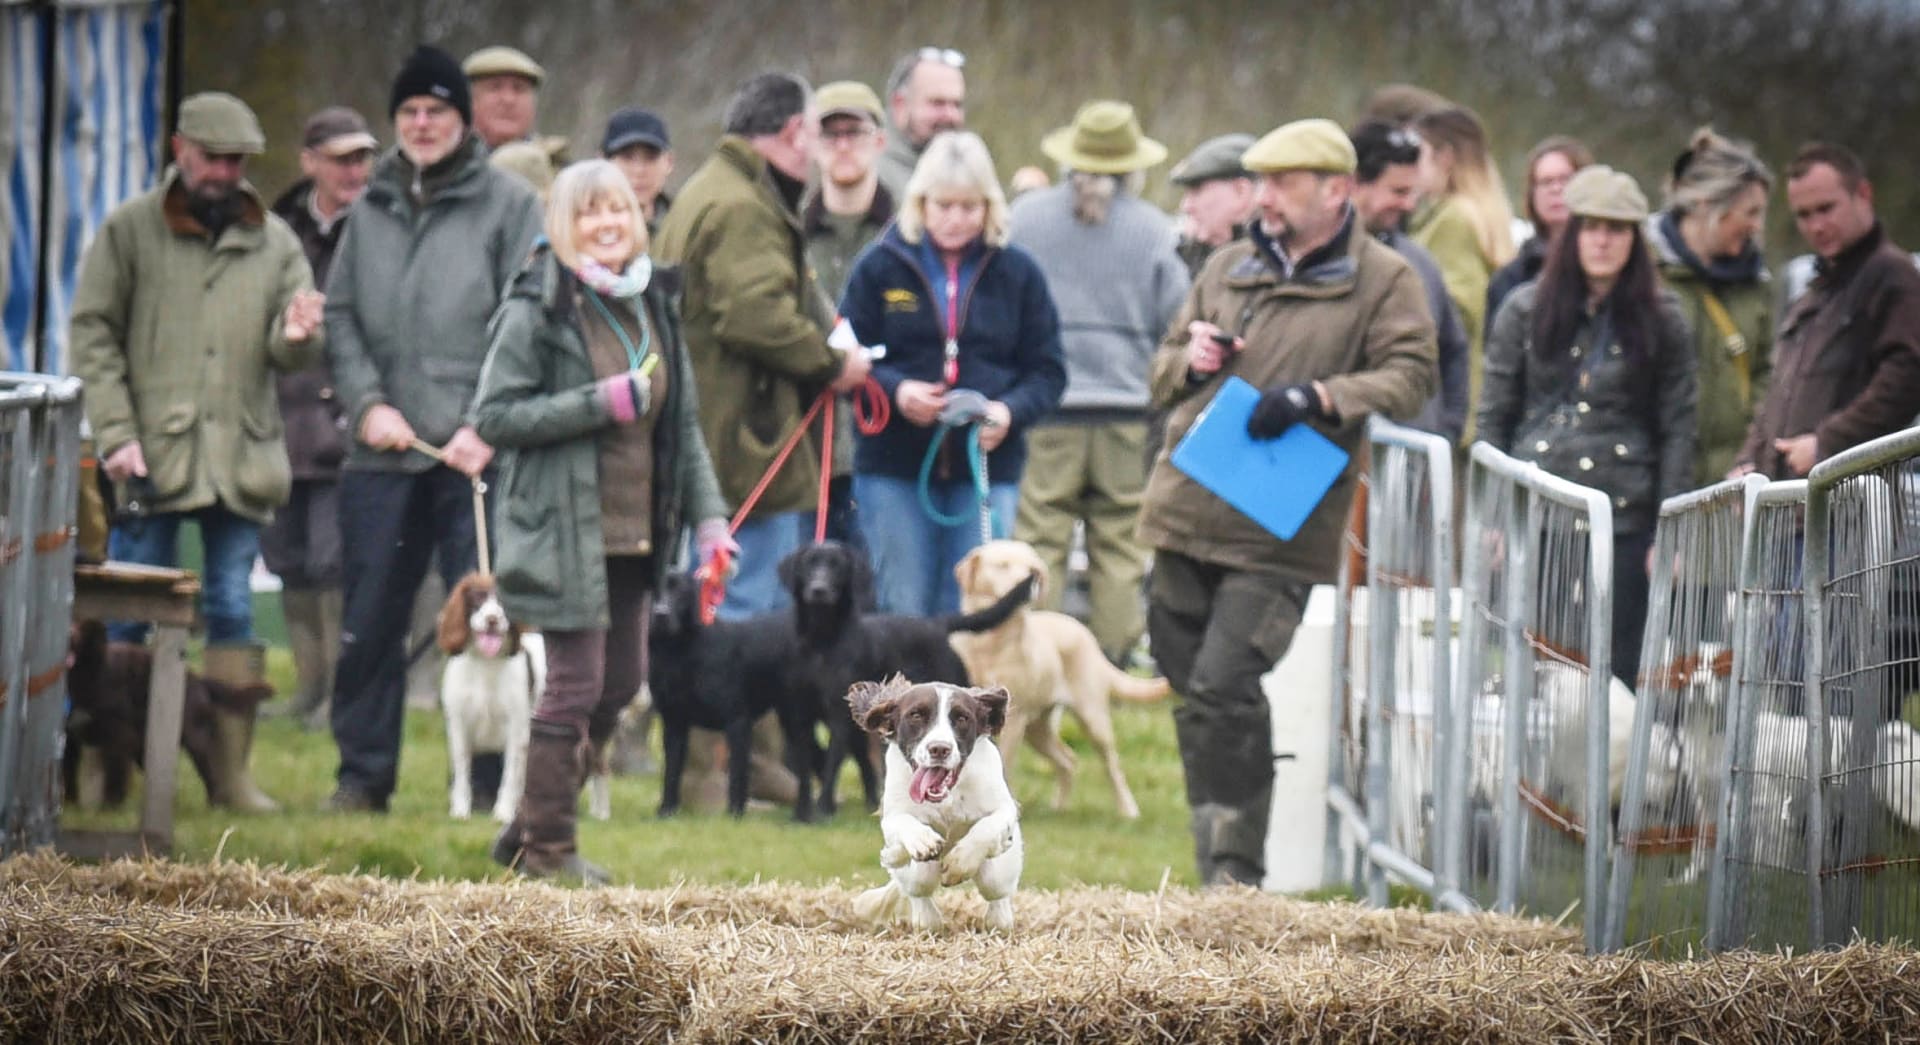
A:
(1590, 375)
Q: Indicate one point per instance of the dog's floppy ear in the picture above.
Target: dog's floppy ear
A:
(789, 571)
(862, 578)
(993, 701)
(453, 631)
(873, 703)
(964, 570)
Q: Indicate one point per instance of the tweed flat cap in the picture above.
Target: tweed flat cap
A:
(502, 61)
(1599, 191)
(219, 122)
(1303, 145)
(1212, 159)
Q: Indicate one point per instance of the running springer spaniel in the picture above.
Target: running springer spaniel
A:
(946, 815)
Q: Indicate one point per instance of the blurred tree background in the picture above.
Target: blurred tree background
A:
(1632, 77)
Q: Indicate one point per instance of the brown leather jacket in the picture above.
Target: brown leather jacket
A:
(1846, 359)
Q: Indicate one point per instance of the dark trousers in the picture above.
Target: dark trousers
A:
(302, 543)
(1215, 632)
(392, 526)
(1631, 586)
(595, 672)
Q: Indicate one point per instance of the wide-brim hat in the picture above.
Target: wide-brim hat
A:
(1104, 138)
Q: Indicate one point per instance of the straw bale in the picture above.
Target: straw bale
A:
(156, 951)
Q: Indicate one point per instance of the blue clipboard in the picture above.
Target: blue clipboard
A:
(1275, 482)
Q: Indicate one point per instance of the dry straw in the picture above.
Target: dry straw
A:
(234, 952)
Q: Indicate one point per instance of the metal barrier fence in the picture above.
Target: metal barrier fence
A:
(1669, 805)
(1387, 788)
(1549, 687)
(39, 466)
(1863, 551)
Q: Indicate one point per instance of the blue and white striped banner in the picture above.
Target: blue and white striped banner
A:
(103, 62)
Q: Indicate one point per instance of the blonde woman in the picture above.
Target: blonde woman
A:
(589, 397)
(1464, 222)
(1707, 246)
(960, 311)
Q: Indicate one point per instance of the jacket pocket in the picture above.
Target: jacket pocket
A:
(263, 474)
(171, 450)
(528, 557)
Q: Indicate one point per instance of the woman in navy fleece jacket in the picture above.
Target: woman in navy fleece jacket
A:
(957, 308)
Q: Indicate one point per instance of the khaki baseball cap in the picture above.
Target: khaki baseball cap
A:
(337, 131)
(848, 98)
(218, 122)
(502, 61)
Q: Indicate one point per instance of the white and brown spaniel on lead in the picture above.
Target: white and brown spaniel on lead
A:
(495, 671)
(946, 814)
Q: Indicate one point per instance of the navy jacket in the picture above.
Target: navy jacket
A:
(1009, 349)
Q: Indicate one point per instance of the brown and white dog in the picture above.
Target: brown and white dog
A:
(1048, 662)
(946, 815)
(495, 672)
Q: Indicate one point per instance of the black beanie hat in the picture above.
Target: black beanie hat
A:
(432, 72)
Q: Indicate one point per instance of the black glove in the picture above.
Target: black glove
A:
(1279, 408)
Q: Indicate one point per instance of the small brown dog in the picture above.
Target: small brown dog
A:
(1047, 661)
(107, 684)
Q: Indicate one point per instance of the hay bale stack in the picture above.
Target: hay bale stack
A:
(139, 952)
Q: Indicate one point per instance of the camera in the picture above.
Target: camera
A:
(135, 499)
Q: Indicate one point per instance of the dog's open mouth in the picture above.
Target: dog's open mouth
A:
(489, 643)
(931, 783)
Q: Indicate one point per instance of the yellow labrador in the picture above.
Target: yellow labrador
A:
(1047, 661)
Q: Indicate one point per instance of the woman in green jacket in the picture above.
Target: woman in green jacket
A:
(588, 395)
(1706, 242)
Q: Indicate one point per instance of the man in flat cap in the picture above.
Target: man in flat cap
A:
(302, 544)
(191, 296)
(1331, 326)
(428, 250)
(1216, 197)
(506, 100)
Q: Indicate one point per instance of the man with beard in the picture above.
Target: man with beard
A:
(1332, 326)
(302, 544)
(428, 250)
(190, 297)
(926, 94)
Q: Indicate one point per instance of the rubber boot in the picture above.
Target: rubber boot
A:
(546, 820)
(241, 665)
(305, 610)
(332, 606)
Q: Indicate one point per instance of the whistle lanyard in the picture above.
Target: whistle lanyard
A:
(952, 370)
(635, 354)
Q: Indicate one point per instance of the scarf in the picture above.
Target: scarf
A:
(1741, 268)
(623, 285)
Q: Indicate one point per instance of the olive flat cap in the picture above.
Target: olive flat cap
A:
(502, 61)
(1303, 145)
(848, 98)
(1599, 191)
(219, 122)
(1212, 159)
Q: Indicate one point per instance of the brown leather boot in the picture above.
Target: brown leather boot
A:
(545, 822)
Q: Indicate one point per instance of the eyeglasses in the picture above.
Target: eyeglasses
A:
(847, 135)
(943, 55)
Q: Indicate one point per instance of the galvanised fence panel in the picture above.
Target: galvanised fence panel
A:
(1669, 798)
(56, 471)
(1494, 522)
(1863, 552)
(22, 792)
(1760, 893)
(1347, 758)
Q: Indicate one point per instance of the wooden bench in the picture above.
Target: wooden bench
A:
(167, 599)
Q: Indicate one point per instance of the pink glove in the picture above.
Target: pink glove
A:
(625, 399)
(711, 536)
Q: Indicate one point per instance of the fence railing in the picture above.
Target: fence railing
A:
(39, 466)
(1759, 783)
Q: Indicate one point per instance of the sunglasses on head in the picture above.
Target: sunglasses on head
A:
(943, 55)
(1404, 138)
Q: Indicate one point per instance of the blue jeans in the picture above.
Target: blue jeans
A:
(229, 545)
(764, 540)
(913, 553)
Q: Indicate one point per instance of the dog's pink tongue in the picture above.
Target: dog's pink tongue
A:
(923, 781)
(489, 643)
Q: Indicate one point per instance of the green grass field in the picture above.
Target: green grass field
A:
(1084, 844)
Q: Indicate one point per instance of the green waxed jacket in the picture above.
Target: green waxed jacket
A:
(538, 405)
(177, 336)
